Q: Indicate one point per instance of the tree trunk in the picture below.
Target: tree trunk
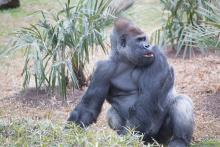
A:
(6, 4)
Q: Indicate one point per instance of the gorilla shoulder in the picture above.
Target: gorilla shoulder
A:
(105, 68)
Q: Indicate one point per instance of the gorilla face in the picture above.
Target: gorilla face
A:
(136, 50)
(130, 43)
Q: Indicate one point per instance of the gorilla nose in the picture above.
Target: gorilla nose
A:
(146, 46)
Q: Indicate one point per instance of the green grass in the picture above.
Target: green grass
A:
(28, 132)
(29, 6)
(45, 133)
(13, 19)
(208, 143)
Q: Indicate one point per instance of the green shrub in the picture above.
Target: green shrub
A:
(189, 25)
(57, 48)
(204, 35)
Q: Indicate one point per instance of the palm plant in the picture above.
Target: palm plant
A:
(57, 48)
(189, 25)
(203, 35)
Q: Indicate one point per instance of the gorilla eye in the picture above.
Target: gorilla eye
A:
(141, 39)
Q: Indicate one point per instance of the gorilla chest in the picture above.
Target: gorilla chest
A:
(126, 81)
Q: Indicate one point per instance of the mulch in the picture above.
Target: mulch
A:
(198, 78)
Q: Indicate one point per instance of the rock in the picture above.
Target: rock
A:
(5, 4)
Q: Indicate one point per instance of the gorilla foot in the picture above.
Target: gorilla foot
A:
(177, 143)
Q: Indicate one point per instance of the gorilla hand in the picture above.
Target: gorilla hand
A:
(82, 116)
(87, 111)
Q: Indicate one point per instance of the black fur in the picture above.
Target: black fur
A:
(140, 90)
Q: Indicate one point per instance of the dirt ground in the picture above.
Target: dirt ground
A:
(198, 77)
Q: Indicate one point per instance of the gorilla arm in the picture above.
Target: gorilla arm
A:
(87, 111)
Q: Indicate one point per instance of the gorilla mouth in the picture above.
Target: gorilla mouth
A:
(149, 55)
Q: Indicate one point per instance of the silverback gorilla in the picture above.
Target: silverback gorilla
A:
(138, 82)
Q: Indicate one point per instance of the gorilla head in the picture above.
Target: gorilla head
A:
(129, 43)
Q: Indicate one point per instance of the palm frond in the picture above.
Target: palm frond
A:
(59, 45)
(189, 26)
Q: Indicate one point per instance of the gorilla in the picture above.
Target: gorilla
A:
(138, 82)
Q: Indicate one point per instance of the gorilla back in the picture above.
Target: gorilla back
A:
(138, 83)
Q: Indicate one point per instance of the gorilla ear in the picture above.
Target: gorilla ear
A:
(123, 41)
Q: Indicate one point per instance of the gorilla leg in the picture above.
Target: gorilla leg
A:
(182, 121)
(115, 121)
(179, 124)
(165, 132)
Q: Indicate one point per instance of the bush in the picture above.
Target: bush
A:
(57, 48)
(189, 26)
(204, 35)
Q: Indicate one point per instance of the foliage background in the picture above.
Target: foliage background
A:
(189, 26)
